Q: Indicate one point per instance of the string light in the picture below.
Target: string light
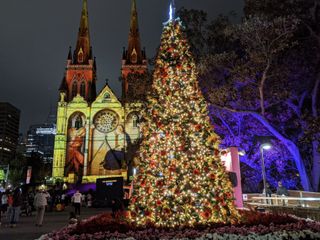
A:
(179, 161)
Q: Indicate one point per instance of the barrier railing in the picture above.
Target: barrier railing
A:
(302, 204)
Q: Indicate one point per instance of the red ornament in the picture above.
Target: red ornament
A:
(147, 213)
(195, 190)
(159, 125)
(159, 183)
(158, 202)
(182, 147)
(172, 168)
(196, 172)
(212, 176)
(133, 214)
(228, 195)
(152, 164)
(198, 127)
(206, 214)
(167, 211)
(163, 153)
(143, 183)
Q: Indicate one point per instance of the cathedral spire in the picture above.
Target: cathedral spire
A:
(80, 77)
(82, 51)
(134, 63)
(134, 54)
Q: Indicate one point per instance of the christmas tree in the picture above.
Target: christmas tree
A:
(181, 179)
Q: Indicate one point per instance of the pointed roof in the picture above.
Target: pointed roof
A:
(134, 54)
(63, 85)
(69, 54)
(82, 51)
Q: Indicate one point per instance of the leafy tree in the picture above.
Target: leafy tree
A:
(305, 103)
(17, 173)
(257, 77)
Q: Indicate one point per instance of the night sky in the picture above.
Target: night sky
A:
(36, 35)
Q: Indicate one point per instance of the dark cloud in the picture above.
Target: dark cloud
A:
(36, 34)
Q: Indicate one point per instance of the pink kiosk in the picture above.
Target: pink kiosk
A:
(230, 158)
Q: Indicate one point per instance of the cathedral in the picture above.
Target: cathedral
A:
(98, 134)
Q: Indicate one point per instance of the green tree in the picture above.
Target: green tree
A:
(17, 170)
(181, 179)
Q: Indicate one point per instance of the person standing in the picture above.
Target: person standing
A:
(283, 193)
(267, 193)
(40, 203)
(89, 200)
(1, 207)
(281, 190)
(77, 197)
(16, 206)
(117, 207)
(83, 200)
(9, 206)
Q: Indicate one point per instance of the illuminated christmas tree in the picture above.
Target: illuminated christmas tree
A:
(181, 179)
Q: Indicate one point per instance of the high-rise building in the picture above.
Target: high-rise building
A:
(9, 131)
(96, 133)
(40, 140)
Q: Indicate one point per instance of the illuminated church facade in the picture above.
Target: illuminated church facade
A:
(97, 134)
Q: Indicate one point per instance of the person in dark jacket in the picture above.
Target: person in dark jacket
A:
(117, 207)
(281, 190)
(16, 206)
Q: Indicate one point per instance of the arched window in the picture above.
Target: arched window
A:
(80, 56)
(83, 89)
(74, 89)
(134, 57)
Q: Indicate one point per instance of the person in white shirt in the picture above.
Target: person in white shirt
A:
(77, 202)
(89, 200)
(40, 203)
(3, 203)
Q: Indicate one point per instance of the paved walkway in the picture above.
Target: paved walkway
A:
(26, 229)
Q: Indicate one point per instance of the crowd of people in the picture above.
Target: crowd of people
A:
(13, 203)
(280, 192)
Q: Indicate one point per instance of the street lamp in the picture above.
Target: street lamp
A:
(264, 146)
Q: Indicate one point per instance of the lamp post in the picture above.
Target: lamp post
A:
(264, 146)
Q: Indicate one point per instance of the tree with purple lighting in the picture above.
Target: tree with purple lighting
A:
(252, 78)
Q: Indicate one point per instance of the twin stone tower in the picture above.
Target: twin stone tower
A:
(97, 134)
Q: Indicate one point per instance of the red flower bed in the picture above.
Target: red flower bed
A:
(104, 227)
